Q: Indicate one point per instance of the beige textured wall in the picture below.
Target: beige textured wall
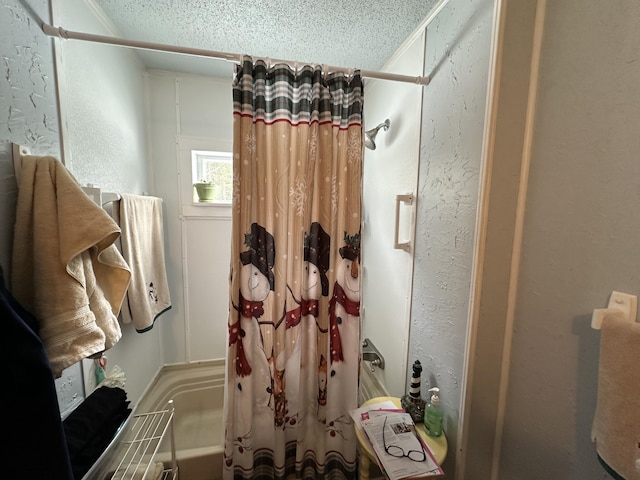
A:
(581, 234)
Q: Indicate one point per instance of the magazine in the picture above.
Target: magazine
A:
(401, 452)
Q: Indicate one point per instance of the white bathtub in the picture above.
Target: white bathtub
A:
(197, 391)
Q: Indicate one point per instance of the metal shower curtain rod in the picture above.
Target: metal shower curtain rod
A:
(231, 57)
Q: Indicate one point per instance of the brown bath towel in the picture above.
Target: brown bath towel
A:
(65, 269)
(616, 426)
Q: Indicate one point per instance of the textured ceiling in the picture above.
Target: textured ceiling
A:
(353, 34)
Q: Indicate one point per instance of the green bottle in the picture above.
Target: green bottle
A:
(433, 415)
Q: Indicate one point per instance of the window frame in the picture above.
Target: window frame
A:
(190, 207)
(213, 156)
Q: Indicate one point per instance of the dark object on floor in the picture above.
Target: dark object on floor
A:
(91, 427)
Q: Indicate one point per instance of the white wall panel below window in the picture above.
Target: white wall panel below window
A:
(208, 248)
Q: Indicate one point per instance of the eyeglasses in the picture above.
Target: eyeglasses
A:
(396, 451)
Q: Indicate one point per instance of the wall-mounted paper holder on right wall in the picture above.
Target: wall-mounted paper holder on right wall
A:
(621, 305)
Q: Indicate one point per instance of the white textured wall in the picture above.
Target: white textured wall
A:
(102, 101)
(102, 104)
(458, 50)
(581, 235)
(28, 106)
(29, 117)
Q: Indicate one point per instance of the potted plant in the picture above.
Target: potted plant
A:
(204, 189)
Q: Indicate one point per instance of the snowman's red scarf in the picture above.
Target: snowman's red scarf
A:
(246, 309)
(235, 336)
(250, 308)
(307, 307)
(352, 308)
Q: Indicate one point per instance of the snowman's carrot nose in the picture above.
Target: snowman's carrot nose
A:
(354, 269)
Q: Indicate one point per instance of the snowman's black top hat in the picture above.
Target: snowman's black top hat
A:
(351, 251)
(261, 253)
(316, 250)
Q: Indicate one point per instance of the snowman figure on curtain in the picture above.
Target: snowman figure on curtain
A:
(256, 274)
(256, 282)
(344, 338)
(344, 307)
(253, 378)
(302, 324)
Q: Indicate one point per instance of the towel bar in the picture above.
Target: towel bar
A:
(19, 151)
(98, 196)
(108, 197)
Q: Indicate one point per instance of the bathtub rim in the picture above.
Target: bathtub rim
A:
(110, 455)
(164, 373)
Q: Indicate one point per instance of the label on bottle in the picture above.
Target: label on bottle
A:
(433, 422)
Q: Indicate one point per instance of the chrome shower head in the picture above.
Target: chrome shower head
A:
(370, 135)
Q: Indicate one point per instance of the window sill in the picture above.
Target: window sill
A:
(207, 210)
(211, 204)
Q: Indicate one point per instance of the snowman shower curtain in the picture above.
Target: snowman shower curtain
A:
(294, 323)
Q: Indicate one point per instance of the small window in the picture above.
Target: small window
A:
(216, 169)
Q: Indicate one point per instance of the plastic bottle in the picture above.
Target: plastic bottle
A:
(433, 415)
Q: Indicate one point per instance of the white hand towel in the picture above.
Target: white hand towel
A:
(616, 426)
(143, 249)
(65, 269)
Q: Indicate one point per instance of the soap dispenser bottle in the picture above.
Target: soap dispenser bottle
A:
(433, 415)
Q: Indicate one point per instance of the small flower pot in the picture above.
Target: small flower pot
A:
(205, 192)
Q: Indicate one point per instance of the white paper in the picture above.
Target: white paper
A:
(361, 412)
(401, 432)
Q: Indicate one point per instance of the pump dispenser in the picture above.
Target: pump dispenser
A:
(433, 415)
